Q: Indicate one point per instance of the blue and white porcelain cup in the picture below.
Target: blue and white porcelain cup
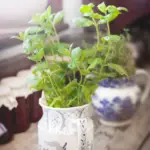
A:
(117, 100)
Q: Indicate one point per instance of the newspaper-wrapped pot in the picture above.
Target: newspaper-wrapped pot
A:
(22, 95)
(6, 98)
(36, 110)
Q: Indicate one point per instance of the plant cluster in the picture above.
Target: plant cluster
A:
(114, 59)
(71, 82)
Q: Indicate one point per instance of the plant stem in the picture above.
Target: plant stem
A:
(97, 32)
(51, 80)
(56, 33)
(107, 54)
(108, 28)
(74, 76)
(81, 77)
(53, 85)
(84, 80)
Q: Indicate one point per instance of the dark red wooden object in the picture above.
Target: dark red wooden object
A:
(6, 118)
(21, 115)
(36, 110)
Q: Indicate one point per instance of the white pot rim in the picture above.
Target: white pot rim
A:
(43, 105)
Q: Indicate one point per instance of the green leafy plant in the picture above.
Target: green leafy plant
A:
(114, 59)
(64, 81)
(69, 76)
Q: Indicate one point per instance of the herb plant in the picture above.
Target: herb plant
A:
(71, 82)
(112, 58)
(65, 83)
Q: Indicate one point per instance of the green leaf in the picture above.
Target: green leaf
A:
(91, 5)
(93, 64)
(87, 10)
(88, 90)
(44, 16)
(51, 17)
(36, 19)
(82, 22)
(33, 42)
(27, 46)
(109, 18)
(70, 47)
(38, 56)
(49, 9)
(102, 7)
(96, 16)
(108, 75)
(40, 67)
(58, 17)
(72, 65)
(102, 21)
(33, 58)
(64, 52)
(84, 71)
(112, 9)
(122, 9)
(55, 100)
(19, 37)
(36, 82)
(71, 102)
(76, 53)
(47, 27)
(88, 53)
(113, 38)
(119, 69)
(32, 30)
(70, 86)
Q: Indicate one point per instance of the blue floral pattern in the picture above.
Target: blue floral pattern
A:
(118, 108)
(114, 83)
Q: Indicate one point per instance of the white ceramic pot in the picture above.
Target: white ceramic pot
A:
(65, 128)
(15, 14)
(117, 100)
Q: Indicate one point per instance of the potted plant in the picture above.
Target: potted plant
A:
(61, 72)
(117, 97)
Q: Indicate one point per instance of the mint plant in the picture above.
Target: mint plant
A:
(71, 82)
(110, 49)
(64, 83)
